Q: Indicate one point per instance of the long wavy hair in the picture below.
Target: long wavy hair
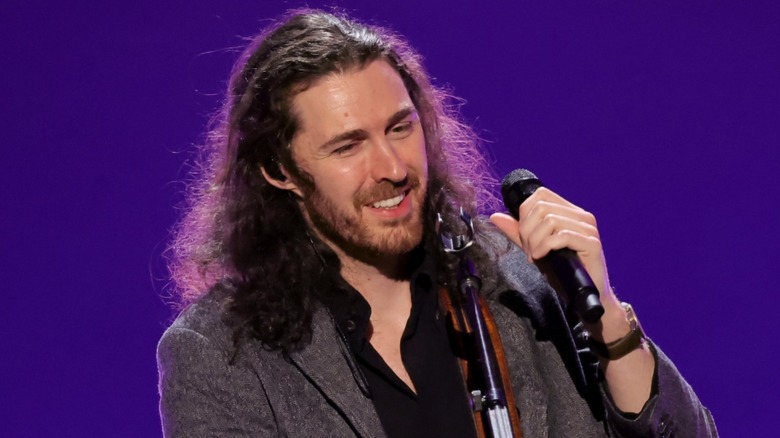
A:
(248, 237)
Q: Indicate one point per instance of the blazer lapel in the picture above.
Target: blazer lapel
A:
(529, 295)
(330, 366)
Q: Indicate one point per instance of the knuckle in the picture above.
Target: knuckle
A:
(525, 208)
(592, 230)
(595, 242)
(549, 219)
(539, 209)
(566, 233)
(542, 192)
(590, 218)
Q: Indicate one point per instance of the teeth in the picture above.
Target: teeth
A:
(389, 203)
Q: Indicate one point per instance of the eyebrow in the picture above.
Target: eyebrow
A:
(356, 134)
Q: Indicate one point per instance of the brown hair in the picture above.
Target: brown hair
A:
(241, 232)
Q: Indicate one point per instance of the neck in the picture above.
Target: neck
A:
(382, 279)
(378, 278)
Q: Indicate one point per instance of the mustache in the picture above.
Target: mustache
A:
(386, 190)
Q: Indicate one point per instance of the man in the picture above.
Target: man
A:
(313, 271)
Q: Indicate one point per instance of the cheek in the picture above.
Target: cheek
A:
(339, 185)
(421, 157)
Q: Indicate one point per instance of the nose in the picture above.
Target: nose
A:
(386, 164)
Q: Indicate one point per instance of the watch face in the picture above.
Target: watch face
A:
(630, 316)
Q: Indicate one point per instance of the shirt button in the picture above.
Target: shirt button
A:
(351, 326)
(663, 426)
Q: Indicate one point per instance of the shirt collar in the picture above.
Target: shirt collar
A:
(351, 312)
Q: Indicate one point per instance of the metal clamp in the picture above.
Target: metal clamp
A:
(458, 243)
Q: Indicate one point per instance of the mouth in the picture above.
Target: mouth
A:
(390, 202)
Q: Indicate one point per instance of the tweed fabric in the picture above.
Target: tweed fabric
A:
(320, 391)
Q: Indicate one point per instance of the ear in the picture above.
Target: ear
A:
(284, 184)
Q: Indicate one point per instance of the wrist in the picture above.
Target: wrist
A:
(615, 343)
(613, 325)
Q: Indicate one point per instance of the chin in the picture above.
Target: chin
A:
(397, 242)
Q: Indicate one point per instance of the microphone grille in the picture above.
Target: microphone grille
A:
(516, 187)
(517, 175)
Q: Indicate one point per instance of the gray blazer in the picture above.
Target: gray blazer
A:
(320, 391)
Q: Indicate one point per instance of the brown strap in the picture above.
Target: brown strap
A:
(459, 321)
(460, 327)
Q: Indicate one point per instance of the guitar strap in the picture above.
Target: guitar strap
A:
(453, 305)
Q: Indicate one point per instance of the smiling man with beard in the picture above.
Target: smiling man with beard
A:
(360, 151)
(313, 282)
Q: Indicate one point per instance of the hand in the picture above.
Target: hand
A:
(548, 222)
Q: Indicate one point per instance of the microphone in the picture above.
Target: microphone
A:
(580, 291)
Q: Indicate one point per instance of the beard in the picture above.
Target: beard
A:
(357, 237)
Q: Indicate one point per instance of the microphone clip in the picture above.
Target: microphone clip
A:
(456, 244)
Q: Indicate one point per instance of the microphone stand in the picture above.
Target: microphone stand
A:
(491, 399)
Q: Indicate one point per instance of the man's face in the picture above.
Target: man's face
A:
(361, 141)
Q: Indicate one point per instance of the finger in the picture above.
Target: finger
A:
(552, 225)
(584, 245)
(588, 249)
(541, 208)
(548, 216)
(545, 195)
(508, 225)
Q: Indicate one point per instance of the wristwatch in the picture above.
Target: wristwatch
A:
(628, 343)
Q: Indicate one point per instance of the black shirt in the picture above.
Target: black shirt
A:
(441, 407)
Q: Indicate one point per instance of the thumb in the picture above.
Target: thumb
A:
(508, 225)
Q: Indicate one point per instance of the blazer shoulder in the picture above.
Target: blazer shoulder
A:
(206, 318)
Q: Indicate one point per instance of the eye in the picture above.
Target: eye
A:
(401, 130)
(345, 150)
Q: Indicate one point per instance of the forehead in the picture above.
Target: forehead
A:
(358, 98)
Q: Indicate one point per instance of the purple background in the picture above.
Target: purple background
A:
(660, 119)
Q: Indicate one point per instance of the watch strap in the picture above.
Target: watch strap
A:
(616, 349)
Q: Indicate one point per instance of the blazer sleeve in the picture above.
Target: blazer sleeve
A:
(673, 409)
(202, 395)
